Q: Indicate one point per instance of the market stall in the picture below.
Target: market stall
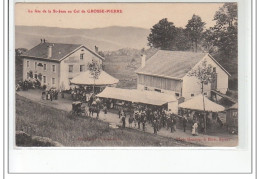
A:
(196, 103)
(86, 79)
(204, 111)
(232, 119)
(142, 97)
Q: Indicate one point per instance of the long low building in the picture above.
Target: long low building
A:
(168, 72)
(138, 96)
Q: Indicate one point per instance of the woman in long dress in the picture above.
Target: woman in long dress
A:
(194, 131)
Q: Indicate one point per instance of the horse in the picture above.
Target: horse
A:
(94, 109)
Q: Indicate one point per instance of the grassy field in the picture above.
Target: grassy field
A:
(123, 63)
(38, 120)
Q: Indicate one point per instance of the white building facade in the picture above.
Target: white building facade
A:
(55, 64)
(167, 72)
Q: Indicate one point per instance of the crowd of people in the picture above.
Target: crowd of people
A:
(200, 121)
(51, 94)
(158, 117)
(83, 94)
(138, 115)
(30, 83)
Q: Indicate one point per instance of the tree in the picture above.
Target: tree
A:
(207, 41)
(94, 69)
(162, 35)
(20, 51)
(181, 40)
(225, 31)
(194, 30)
(223, 38)
(205, 74)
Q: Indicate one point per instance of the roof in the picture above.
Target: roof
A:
(85, 78)
(235, 106)
(137, 96)
(196, 103)
(59, 51)
(172, 64)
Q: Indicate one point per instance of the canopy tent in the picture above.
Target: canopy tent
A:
(196, 103)
(137, 96)
(235, 106)
(86, 78)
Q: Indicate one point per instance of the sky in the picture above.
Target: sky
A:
(143, 15)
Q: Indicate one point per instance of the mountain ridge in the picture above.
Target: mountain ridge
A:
(107, 38)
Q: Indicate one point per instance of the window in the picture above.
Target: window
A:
(82, 68)
(145, 88)
(44, 67)
(54, 68)
(53, 81)
(35, 76)
(192, 95)
(234, 114)
(35, 65)
(177, 94)
(28, 64)
(158, 90)
(70, 68)
(44, 79)
(214, 69)
(70, 80)
(205, 93)
(81, 56)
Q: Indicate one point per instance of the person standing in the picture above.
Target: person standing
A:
(119, 113)
(174, 122)
(130, 120)
(105, 111)
(184, 123)
(195, 129)
(51, 95)
(123, 121)
(220, 123)
(139, 120)
(172, 125)
(154, 126)
(144, 121)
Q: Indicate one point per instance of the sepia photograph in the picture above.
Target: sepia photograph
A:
(126, 74)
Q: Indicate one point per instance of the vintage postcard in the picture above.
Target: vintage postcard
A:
(126, 74)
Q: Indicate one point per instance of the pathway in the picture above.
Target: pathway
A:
(218, 140)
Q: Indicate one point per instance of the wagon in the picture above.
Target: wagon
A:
(77, 108)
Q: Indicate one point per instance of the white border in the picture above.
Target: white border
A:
(148, 159)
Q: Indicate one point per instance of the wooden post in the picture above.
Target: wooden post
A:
(94, 86)
(204, 109)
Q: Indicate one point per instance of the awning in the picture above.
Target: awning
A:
(196, 103)
(85, 78)
(137, 96)
(235, 106)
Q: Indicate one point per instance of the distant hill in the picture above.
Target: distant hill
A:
(107, 38)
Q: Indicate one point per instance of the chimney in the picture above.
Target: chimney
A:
(41, 40)
(143, 60)
(96, 49)
(49, 51)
